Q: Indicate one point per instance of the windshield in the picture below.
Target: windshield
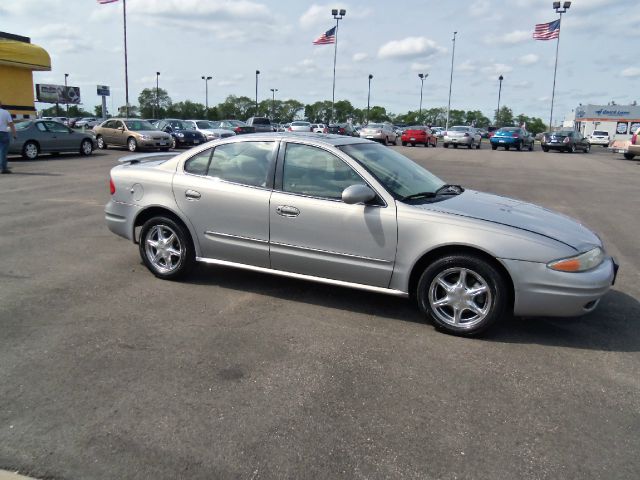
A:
(204, 125)
(178, 125)
(399, 175)
(139, 125)
(23, 125)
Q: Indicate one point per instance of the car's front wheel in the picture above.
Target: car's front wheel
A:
(86, 147)
(462, 294)
(102, 145)
(165, 248)
(132, 145)
(545, 149)
(30, 150)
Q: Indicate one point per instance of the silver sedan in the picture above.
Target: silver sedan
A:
(350, 212)
(48, 136)
(382, 132)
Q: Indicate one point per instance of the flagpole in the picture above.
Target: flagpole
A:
(453, 53)
(338, 16)
(126, 70)
(555, 69)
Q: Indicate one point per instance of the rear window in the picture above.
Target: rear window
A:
(375, 125)
(300, 124)
(509, 129)
(261, 121)
(22, 125)
(416, 127)
(459, 129)
(600, 132)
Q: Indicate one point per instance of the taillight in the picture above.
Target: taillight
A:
(566, 140)
(634, 138)
(237, 129)
(112, 186)
(515, 135)
(289, 129)
(326, 130)
(342, 131)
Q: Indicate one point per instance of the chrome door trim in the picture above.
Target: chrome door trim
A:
(329, 252)
(301, 276)
(209, 233)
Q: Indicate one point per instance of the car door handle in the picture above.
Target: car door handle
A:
(287, 211)
(192, 195)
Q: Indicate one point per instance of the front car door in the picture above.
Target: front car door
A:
(61, 138)
(224, 192)
(313, 232)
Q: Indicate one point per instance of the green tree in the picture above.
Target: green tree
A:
(98, 111)
(457, 117)
(536, 125)
(147, 102)
(186, 110)
(289, 110)
(504, 117)
(475, 117)
(378, 114)
(235, 107)
(318, 112)
(133, 111)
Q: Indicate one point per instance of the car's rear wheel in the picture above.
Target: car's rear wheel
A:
(531, 147)
(462, 294)
(165, 248)
(86, 147)
(629, 156)
(587, 148)
(446, 145)
(494, 147)
(545, 149)
(404, 144)
(519, 146)
(30, 150)
(478, 145)
(455, 145)
(132, 145)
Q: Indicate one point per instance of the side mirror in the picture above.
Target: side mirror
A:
(121, 129)
(358, 193)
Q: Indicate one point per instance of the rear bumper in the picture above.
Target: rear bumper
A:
(557, 146)
(597, 141)
(540, 291)
(504, 140)
(458, 140)
(120, 218)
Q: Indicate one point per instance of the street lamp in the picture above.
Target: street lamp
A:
(499, 92)
(157, 104)
(369, 96)
(337, 15)
(206, 92)
(257, 73)
(66, 94)
(453, 54)
(422, 78)
(273, 101)
(559, 11)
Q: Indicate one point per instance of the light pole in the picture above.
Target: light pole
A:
(422, 77)
(560, 11)
(499, 93)
(369, 97)
(66, 95)
(337, 15)
(273, 101)
(206, 92)
(257, 73)
(156, 105)
(453, 53)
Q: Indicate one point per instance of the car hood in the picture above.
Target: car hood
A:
(517, 214)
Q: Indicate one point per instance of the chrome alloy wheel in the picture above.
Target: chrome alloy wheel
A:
(31, 151)
(163, 248)
(460, 297)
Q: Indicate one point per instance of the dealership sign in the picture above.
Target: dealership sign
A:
(57, 94)
(103, 91)
(608, 112)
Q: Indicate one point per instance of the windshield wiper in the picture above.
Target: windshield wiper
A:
(443, 190)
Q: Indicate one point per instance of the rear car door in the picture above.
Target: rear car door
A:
(43, 136)
(224, 192)
(314, 232)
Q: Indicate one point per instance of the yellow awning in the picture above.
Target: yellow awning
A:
(24, 55)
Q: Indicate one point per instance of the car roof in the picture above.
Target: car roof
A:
(326, 139)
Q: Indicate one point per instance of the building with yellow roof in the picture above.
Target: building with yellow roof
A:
(19, 58)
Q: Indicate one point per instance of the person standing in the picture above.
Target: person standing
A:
(6, 124)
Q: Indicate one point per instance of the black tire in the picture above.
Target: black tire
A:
(413, 144)
(572, 149)
(173, 143)
(86, 147)
(495, 302)
(31, 150)
(506, 147)
(455, 145)
(494, 147)
(446, 145)
(519, 146)
(102, 145)
(182, 243)
(404, 144)
(471, 145)
(132, 145)
(587, 148)
(531, 146)
(629, 156)
(545, 149)
(478, 145)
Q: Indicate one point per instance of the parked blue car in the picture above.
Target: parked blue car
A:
(515, 137)
(182, 134)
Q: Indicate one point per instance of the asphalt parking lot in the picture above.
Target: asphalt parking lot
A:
(107, 372)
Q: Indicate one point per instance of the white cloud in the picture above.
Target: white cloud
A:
(528, 59)
(511, 38)
(480, 8)
(410, 47)
(318, 15)
(420, 67)
(360, 56)
(496, 69)
(467, 67)
(631, 72)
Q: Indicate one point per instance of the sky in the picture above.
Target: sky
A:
(392, 40)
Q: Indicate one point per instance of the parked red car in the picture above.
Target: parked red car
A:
(419, 134)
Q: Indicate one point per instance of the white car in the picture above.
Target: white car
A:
(208, 129)
(599, 137)
(462, 135)
(319, 128)
(299, 126)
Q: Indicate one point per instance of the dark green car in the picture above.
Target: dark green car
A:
(48, 136)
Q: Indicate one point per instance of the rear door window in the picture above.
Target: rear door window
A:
(246, 163)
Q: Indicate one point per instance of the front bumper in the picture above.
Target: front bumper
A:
(540, 291)
(154, 143)
(120, 218)
(188, 142)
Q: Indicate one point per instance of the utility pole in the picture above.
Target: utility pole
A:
(369, 97)
(453, 53)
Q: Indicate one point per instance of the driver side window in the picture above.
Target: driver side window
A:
(315, 172)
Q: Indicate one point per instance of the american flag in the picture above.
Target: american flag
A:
(547, 31)
(326, 38)
(102, 2)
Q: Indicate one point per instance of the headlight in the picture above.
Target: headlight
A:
(579, 263)
(145, 137)
(181, 135)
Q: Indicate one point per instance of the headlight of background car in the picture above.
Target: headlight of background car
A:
(145, 137)
(181, 135)
(579, 263)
